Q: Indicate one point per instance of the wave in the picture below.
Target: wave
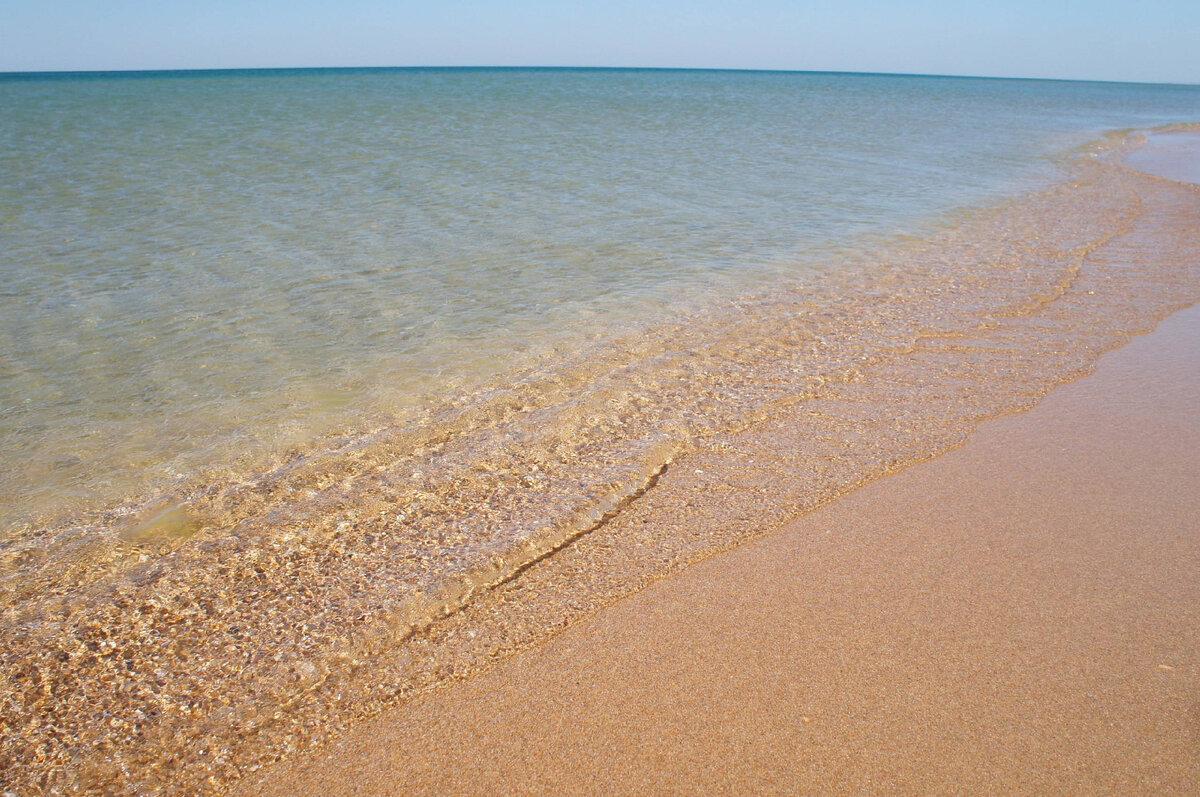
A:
(181, 637)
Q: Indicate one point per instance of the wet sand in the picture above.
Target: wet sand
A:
(335, 594)
(1020, 615)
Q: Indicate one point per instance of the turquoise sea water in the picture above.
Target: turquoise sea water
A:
(199, 269)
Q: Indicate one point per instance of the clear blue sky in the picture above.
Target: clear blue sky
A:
(1137, 40)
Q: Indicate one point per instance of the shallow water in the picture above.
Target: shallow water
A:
(204, 270)
(1175, 155)
(614, 420)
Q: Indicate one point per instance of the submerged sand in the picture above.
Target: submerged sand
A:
(1174, 155)
(1021, 615)
(303, 601)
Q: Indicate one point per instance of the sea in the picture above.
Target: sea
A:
(201, 269)
(300, 368)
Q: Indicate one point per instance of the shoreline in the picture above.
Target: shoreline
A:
(1019, 614)
(314, 600)
(953, 625)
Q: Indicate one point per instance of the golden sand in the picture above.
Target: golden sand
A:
(1019, 616)
(181, 644)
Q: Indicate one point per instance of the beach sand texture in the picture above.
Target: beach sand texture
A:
(967, 623)
(1021, 615)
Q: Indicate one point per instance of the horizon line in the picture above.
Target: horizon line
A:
(52, 73)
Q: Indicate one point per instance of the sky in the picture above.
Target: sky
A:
(1144, 41)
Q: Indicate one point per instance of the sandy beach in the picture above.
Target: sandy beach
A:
(724, 398)
(882, 526)
(1019, 615)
